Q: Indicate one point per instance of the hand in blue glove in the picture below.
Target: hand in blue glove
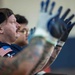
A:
(32, 30)
(51, 26)
(44, 18)
(58, 26)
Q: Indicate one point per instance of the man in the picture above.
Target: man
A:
(8, 22)
(8, 30)
(27, 61)
(23, 30)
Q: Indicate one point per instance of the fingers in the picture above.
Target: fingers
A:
(47, 3)
(31, 30)
(52, 7)
(65, 14)
(70, 26)
(34, 29)
(42, 6)
(69, 23)
(70, 18)
(54, 17)
(59, 11)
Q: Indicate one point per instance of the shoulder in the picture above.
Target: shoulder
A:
(4, 50)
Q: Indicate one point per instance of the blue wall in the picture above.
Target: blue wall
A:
(66, 58)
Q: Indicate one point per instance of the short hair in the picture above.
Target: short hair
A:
(21, 19)
(4, 14)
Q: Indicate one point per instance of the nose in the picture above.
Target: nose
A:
(27, 31)
(18, 25)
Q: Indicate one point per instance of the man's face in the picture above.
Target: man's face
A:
(23, 31)
(10, 27)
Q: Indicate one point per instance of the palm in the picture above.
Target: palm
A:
(60, 25)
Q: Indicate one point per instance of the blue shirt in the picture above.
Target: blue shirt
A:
(9, 50)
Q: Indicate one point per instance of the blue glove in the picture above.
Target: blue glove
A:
(51, 26)
(32, 30)
(64, 37)
(69, 28)
(57, 26)
(44, 18)
(65, 26)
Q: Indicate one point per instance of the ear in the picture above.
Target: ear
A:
(1, 30)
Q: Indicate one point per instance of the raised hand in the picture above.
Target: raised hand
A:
(44, 17)
(59, 24)
(52, 26)
(32, 30)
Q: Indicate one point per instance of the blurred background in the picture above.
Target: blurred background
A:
(65, 62)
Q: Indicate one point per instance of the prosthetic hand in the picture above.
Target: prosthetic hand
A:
(69, 25)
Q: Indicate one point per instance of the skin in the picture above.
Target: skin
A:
(48, 48)
(54, 55)
(19, 65)
(26, 62)
(22, 40)
(49, 59)
(8, 30)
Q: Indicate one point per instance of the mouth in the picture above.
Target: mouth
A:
(26, 38)
(17, 30)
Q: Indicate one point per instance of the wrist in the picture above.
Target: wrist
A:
(51, 39)
(43, 33)
(60, 43)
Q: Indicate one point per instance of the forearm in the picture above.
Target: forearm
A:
(56, 51)
(35, 54)
(31, 55)
(48, 49)
(6, 66)
(27, 61)
(54, 55)
(50, 56)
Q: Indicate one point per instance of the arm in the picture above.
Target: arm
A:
(41, 44)
(54, 55)
(61, 41)
(29, 57)
(50, 59)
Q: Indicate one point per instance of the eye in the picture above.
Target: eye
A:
(12, 22)
(23, 31)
